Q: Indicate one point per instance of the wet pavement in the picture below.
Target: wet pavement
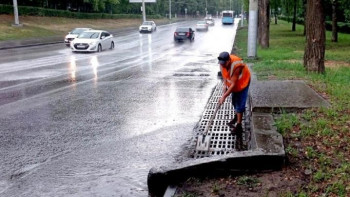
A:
(94, 124)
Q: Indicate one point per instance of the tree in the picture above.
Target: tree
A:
(294, 15)
(315, 37)
(275, 4)
(334, 21)
(304, 13)
(264, 23)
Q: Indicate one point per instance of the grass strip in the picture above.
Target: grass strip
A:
(317, 140)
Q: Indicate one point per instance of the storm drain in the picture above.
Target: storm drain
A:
(222, 141)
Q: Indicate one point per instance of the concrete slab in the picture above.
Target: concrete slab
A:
(289, 95)
(264, 134)
(236, 163)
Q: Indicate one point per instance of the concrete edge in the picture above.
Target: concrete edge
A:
(159, 178)
(265, 135)
(32, 45)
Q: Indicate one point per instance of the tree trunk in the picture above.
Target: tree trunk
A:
(259, 21)
(334, 21)
(305, 6)
(275, 18)
(264, 23)
(294, 15)
(315, 37)
(275, 12)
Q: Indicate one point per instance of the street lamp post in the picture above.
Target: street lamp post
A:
(206, 8)
(15, 13)
(169, 9)
(143, 11)
(252, 28)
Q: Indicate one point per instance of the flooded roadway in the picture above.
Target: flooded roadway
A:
(77, 124)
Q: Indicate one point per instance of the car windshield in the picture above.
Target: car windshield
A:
(201, 23)
(78, 31)
(182, 29)
(147, 23)
(89, 35)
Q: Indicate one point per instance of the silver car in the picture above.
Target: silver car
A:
(92, 41)
(73, 34)
(202, 25)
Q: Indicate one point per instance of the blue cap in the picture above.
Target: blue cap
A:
(223, 57)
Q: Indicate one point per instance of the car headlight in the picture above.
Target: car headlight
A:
(92, 43)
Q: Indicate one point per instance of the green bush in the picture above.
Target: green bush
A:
(36, 11)
(342, 27)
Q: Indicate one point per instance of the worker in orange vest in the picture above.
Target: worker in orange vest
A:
(236, 76)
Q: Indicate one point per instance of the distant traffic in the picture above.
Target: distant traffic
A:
(85, 39)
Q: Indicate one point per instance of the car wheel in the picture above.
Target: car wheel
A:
(112, 45)
(99, 48)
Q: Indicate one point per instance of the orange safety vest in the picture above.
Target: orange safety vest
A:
(244, 77)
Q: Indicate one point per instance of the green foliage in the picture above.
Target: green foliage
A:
(13, 33)
(292, 151)
(322, 133)
(308, 115)
(342, 26)
(302, 194)
(338, 188)
(286, 122)
(310, 152)
(186, 194)
(319, 176)
(216, 188)
(36, 11)
(247, 181)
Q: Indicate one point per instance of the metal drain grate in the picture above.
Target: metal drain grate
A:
(222, 141)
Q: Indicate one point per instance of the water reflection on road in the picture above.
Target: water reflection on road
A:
(80, 124)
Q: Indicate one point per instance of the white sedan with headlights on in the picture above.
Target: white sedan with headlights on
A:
(92, 41)
(148, 26)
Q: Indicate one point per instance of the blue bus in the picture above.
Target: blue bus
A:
(227, 17)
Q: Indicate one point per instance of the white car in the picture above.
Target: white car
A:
(73, 34)
(92, 41)
(148, 26)
(202, 25)
(210, 22)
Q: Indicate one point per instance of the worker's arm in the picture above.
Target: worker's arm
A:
(233, 81)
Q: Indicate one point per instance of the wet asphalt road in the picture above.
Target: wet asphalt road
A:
(94, 124)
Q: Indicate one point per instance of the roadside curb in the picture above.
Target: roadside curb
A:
(29, 45)
(236, 163)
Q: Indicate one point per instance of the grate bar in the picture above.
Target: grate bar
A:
(222, 141)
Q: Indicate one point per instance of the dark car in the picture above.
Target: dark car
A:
(183, 33)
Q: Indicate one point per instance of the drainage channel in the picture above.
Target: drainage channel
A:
(222, 141)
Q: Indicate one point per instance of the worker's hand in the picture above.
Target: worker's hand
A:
(222, 100)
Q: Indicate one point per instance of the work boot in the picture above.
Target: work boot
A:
(232, 123)
(237, 129)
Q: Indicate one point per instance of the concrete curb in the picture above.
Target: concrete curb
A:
(235, 163)
(30, 45)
